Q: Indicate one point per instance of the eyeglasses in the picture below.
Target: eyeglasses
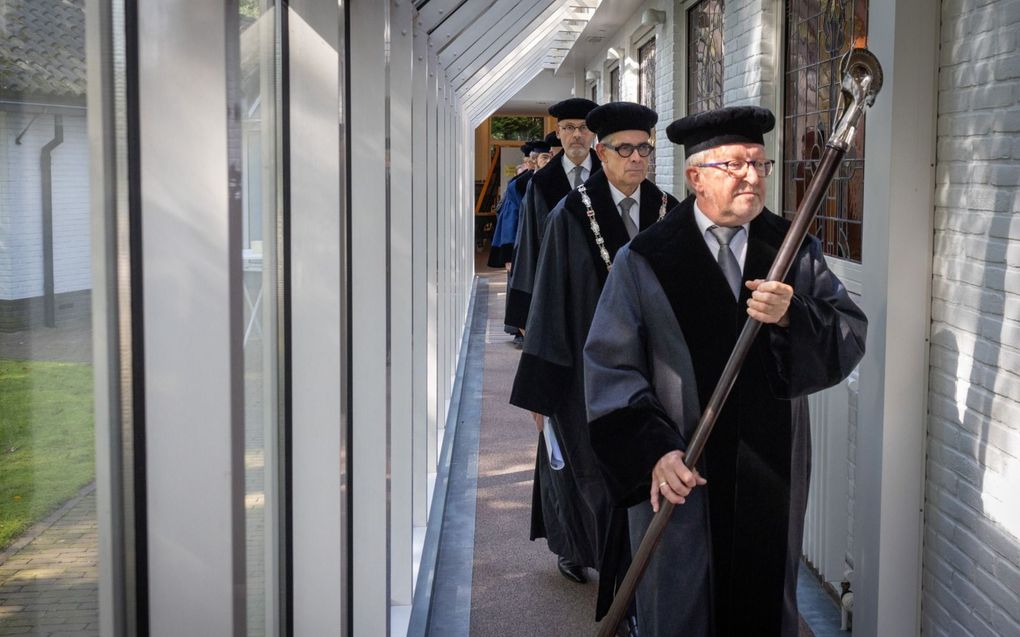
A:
(570, 129)
(738, 167)
(626, 150)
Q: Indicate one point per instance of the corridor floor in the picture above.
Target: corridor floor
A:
(515, 588)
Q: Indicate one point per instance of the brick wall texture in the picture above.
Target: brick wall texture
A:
(971, 559)
(750, 72)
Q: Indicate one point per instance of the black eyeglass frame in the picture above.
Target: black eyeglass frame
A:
(644, 149)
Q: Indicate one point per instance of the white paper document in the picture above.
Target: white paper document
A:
(552, 446)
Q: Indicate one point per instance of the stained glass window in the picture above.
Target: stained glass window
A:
(614, 84)
(705, 56)
(646, 87)
(818, 34)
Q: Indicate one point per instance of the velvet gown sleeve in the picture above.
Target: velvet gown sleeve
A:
(826, 335)
(630, 430)
(547, 362)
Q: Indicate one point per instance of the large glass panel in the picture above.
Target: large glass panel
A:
(48, 541)
(705, 56)
(817, 36)
(259, 55)
(646, 87)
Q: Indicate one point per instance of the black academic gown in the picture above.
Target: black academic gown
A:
(548, 186)
(661, 335)
(572, 507)
(500, 255)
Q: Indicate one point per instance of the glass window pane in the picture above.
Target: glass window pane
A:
(705, 56)
(258, 61)
(817, 37)
(517, 127)
(48, 541)
(646, 87)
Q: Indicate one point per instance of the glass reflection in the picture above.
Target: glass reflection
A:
(48, 541)
(258, 57)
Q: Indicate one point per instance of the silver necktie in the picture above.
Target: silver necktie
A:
(628, 222)
(577, 176)
(727, 262)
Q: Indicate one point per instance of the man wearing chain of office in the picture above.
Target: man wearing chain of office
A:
(583, 233)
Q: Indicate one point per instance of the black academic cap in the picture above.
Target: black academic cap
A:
(539, 146)
(617, 116)
(573, 108)
(553, 141)
(729, 125)
(526, 148)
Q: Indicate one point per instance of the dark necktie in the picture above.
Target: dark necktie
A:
(577, 175)
(727, 262)
(628, 223)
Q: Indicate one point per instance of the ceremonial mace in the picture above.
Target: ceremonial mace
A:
(862, 79)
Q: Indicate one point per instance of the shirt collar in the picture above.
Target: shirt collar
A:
(704, 223)
(568, 166)
(619, 196)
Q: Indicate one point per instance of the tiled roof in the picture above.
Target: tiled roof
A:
(42, 48)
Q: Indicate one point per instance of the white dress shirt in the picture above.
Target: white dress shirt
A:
(738, 244)
(635, 210)
(568, 167)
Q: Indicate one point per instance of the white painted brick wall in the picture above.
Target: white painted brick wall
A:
(21, 273)
(750, 73)
(666, 162)
(666, 68)
(971, 560)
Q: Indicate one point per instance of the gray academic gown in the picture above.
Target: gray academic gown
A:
(547, 187)
(572, 507)
(661, 334)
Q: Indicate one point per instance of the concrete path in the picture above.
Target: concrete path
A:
(48, 584)
(516, 589)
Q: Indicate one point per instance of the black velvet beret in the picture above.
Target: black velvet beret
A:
(553, 141)
(573, 108)
(526, 148)
(539, 146)
(729, 125)
(617, 116)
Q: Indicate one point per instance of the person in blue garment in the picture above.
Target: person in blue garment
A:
(504, 237)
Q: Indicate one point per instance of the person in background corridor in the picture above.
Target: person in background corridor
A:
(549, 185)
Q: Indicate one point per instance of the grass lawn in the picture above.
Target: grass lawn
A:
(46, 440)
